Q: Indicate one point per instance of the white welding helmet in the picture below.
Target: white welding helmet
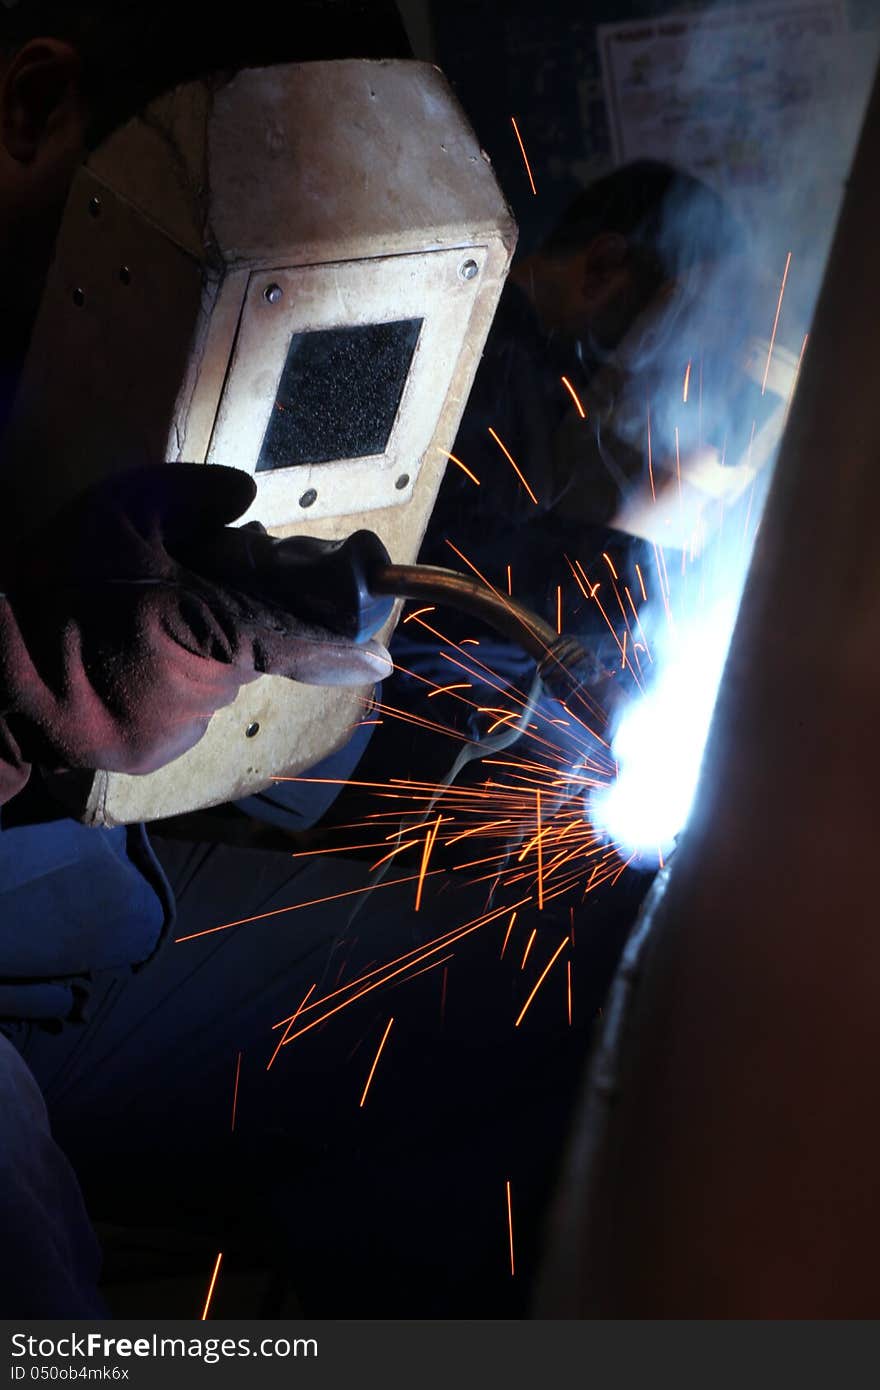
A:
(293, 272)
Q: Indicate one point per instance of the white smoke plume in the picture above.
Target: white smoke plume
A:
(765, 104)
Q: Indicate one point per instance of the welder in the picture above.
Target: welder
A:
(123, 676)
(609, 305)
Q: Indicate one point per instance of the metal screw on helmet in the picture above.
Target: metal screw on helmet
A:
(308, 498)
(468, 270)
(273, 293)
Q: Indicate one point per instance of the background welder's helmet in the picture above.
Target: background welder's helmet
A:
(291, 270)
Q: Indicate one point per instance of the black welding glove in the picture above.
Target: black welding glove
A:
(114, 653)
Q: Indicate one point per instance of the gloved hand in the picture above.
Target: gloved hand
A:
(114, 654)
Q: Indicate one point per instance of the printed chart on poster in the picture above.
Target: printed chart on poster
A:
(729, 94)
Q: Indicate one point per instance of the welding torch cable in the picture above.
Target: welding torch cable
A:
(444, 586)
(564, 666)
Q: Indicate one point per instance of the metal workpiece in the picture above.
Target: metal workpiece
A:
(566, 1285)
(735, 1174)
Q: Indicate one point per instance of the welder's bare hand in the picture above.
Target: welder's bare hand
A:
(114, 654)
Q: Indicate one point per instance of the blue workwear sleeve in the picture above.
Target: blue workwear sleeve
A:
(51, 1259)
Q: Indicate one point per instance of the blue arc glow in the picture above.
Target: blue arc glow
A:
(659, 742)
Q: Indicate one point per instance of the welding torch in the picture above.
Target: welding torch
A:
(348, 587)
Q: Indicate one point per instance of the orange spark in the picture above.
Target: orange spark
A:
(443, 689)
(295, 907)
(528, 947)
(624, 866)
(398, 849)
(211, 1287)
(542, 977)
(593, 591)
(568, 973)
(471, 566)
(574, 396)
(419, 954)
(678, 465)
(510, 1229)
(503, 719)
(509, 582)
(687, 380)
(376, 1062)
(663, 576)
(540, 853)
(559, 608)
(424, 970)
(775, 322)
(431, 608)
(512, 461)
(507, 934)
(429, 845)
(635, 614)
(478, 830)
(235, 1090)
(464, 468)
(607, 560)
(585, 589)
(641, 584)
(524, 155)
(290, 1022)
(334, 849)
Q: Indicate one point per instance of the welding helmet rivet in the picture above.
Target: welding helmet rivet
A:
(308, 498)
(79, 297)
(402, 482)
(252, 730)
(273, 293)
(95, 206)
(468, 269)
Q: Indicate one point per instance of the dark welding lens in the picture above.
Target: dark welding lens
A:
(339, 394)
